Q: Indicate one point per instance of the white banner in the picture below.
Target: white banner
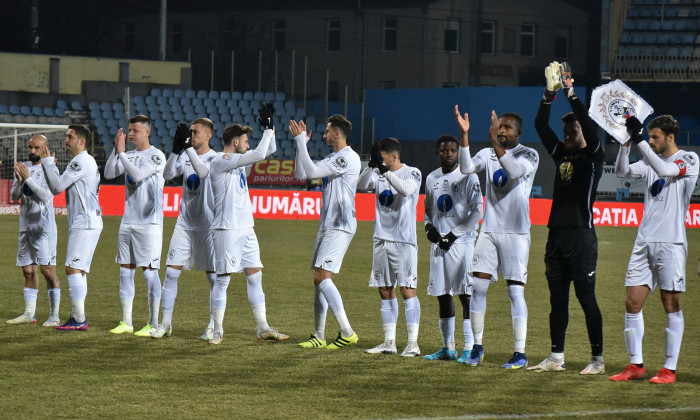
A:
(612, 104)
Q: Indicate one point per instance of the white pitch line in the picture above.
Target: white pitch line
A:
(562, 414)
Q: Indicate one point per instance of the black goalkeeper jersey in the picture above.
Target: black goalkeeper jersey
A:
(577, 172)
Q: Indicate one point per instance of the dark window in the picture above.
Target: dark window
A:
(129, 38)
(389, 34)
(451, 35)
(488, 37)
(177, 37)
(280, 34)
(527, 40)
(333, 35)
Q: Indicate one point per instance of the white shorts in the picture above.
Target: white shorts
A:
(191, 248)
(140, 245)
(394, 263)
(449, 271)
(659, 264)
(502, 253)
(81, 247)
(235, 250)
(329, 249)
(36, 248)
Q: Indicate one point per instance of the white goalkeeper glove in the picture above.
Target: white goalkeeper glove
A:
(553, 75)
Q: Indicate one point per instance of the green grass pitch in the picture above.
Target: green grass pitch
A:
(51, 374)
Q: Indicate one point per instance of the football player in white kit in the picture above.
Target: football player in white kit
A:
(141, 228)
(340, 171)
(453, 208)
(36, 245)
(395, 258)
(661, 249)
(81, 182)
(503, 246)
(236, 246)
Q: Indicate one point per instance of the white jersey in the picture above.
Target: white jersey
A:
(36, 207)
(448, 199)
(197, 202)
(507, 197)
(81, 181)
(395, 213)
(666, 199)
(338, 197)
(229, 185)
(143, 202)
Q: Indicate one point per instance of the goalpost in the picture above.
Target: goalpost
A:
(13, 147)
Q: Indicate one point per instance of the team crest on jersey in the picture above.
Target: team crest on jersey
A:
(689, 159)
(171, 254)
(340, 162)
(566, 172)
(455, 186)
(475, 260)
(37, 174)
(531, 157)
(226, 156)
(415, 175)
(156, 160)
(477, 187)
(75, 167)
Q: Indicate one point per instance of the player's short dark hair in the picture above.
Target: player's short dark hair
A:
(205, 122)
(81, 131)
(341, 123)
(665, 123)
(141, 119)
(569, 118)
(446, 138)
(518, 119)
(235, 130)
(390, 145)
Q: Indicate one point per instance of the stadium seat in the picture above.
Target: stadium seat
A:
(213, 94)
(232, 103)
(655, 25)
(150, 100)
(254, 105)
(202, 94)
(25, 110)
(248, 96)
(269, 97)
(37, 111)
(249, 119)
(48, 111)
(190, 94)
(3, 109)
(167, 92)
(279, 96)
(190, 116)
(162, 100)
(60, 112)
(237, 118)
(179, 93)
(61, 104)
(173, 101)
(236, 95)
(155, 92)
(76, 106)
(225, 95)
(259, 96)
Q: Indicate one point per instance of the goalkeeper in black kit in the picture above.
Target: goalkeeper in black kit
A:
(572, 246)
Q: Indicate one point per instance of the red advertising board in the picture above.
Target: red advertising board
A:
(306, 205)
(274, 172)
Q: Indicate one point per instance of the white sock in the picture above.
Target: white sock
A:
(634, 333)
(256, 297)
(447, 330)
(30, 301)
(518, 313)
(77, 290)
(320, 309)
(674, 336)
(126, 293)
(54, 302)
(477, 308)
(389, 317)
(335, 303)
(468, 335)
(153, 284)
(211, 277)
(219, 301)
(557, 357)
(168, 294)
(412, 309)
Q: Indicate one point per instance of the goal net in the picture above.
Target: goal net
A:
(14, 139)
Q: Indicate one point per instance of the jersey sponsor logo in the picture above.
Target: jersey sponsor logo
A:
(657, 187)
(193, 182)
(566, 172)
(682, 166)
(500, 178)
(386, 198)
(75, 167)
(27, 191)
(445, 203)
(226, 156)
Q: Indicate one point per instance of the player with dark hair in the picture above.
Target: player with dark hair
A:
(81, 182)
(141, 230)
(36, 245)
(340, 171)
(661, 248)
(395, 249)
(453, 208)
(503, 246)
(572, 244)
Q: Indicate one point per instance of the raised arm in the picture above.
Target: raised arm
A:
(258, 153)
(588, 127)
(199, 167)
(311, 170)
(367, 180)
(635, 130)
(172, 169)
(623, 169)
(403, 186)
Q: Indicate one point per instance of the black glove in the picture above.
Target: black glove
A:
(372, 156)
(549, 96)
(447, 241)
(377, 157)
(182, 132)
(433, 234)
(266, 112)
(634, 129)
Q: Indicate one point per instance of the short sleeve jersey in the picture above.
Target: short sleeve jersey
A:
(82, 193)
(448, 198)
(507, 207)
(197, 202)
(232, 207)
(35, 215)
(395, 214)
(144, 199)
(338, 197)
(666, 199)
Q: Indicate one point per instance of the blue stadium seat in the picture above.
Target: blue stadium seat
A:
(209, 102)
(649, 38)
(95, 113)
(310, 121)
(213, 94)
(248, 96)
(60, 112)
(255, 104)
(171, 123)
(634, 12)
(279, 96)
(190, 94)
(225, 95)
(643, 25)
(199, 109)
(155, 92)
(3, 109)
(197, 101)
(25, 110)
(236, 95)
(211, 110)
(667, 25)
(163, 107)
(687, 38)
(269, 97)
(93, 106)
(179, 93)
(173, 101)
(61, 104)
(167, 92)
(190, 116)
(76, 106)
(137, 99)
(237, 118)
(37, 111)
(202, 94)
(279, 105)
(259, 96)
(220, 102)
(244, 103)
(162, 100)
(158, 123)
(150, 100)
(48, 111)
(249, 119)
(231, 103)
